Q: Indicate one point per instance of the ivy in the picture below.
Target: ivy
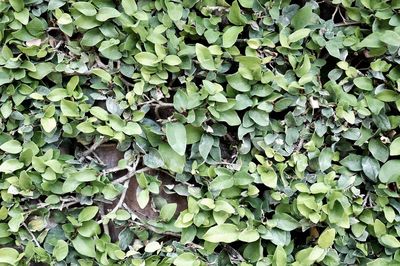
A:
(212, 132)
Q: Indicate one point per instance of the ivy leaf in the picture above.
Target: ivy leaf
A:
(378, 150)
(142, 196)
(390, 171)
(69, 108)
(10, 166)
(11, 146)
(205, 58)
(390, 241)
(85, 8)
(370, 167)
(176, 136)
(185, 259)
(146, 58)
(88, 213)
(205, 145)
(173, 161)
(84, 246)
(302, 18)
(395, 147)
(8, 256)
(230, 36)
(60, 251)
(48, 124)
(225, 233)
(327, 237)
(363, 83)
(168, 211)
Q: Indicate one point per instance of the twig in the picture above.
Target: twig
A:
(105, 226)
(130, 174)
(150, 227)
(216, 8)
(234, 253)
(347, 23)
(299, 145)
(122, 197)
(95, 145)
(32, 235)
(334, 13)
(100, 161)
(366, 199)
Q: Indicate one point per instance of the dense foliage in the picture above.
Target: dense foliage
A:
(249, 132)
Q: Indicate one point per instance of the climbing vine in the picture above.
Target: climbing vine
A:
(199, 132)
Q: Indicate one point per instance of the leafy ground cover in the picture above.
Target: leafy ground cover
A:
(199, 132)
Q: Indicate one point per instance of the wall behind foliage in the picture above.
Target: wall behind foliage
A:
(199, 132)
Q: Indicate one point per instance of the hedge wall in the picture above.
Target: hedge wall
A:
(199, 132)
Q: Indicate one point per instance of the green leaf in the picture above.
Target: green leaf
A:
(9, 256)
(172, 60)
(325, 158)
(298, 35)
(269, 178)
(88, 213)
(60, 251)
(48, 124)
(152, 247)
(378, 150)
(168, 211)
(390, 241)
(175, 10)
(11, 146)
(69, 108)
(230, 36)
(84, 246)
(327, 237)
(99, 112)
(85, 175)
(105, 13)
(142, 197)
(391, 38)
(173, 161)
(10, 166)
(129, 7)
(104, 75)
(285, 222)
(230, 117)
(302, 18)
(85, 8)
(395, 147)
(238, 82)
(390, 171)
(205, 58)
(186, 259)
(146, 58)
(176, 136)
(370, 167)
(42, 70)
(205, 145)
(17, 5)
(280, 257)
(352, 162)
(235, 15)
(249, 235)
(110, 50)
(225, 233)
(364, 83)
(221, 182)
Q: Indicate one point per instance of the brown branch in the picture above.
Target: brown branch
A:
(130, 174)
(32, 235)
(150, 227)
(95, 145)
